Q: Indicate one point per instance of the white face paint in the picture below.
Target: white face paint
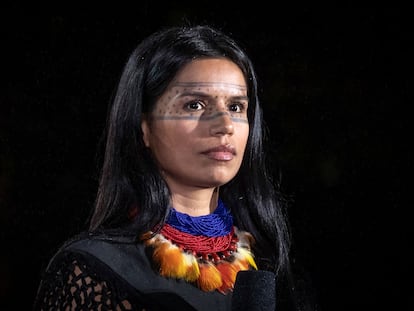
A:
(198, 130)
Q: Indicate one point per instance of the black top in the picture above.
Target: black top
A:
(92, 272)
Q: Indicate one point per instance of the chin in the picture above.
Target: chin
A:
(217, 182)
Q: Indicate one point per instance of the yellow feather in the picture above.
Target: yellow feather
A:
(245, 255)
(193, 271)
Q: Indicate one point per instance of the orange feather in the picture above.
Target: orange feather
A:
(228, 275)
(210, 278)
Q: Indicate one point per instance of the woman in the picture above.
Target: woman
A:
(185, 200)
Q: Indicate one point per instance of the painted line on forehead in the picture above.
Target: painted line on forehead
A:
(208, 84)
(201, 118)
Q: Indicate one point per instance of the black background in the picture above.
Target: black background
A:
(334, 87)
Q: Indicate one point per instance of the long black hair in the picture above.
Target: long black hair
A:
(130, 178)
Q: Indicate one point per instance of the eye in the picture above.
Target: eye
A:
(194, 105)
(237, 107)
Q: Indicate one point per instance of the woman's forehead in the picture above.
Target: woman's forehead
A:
(215, 71)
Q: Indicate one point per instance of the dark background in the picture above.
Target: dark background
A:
(334, 86)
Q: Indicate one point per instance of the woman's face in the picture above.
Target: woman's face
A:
(199, 128)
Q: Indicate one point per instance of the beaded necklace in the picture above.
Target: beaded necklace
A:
(206, 251)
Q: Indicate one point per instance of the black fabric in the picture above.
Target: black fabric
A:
(74, 282)
(112, 273)
(254, 290)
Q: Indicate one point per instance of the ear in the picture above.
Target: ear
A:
(145, 128)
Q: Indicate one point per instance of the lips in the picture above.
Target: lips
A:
(221, 153)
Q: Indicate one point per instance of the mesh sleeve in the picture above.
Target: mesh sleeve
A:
(72, 283)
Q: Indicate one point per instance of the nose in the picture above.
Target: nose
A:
(222, 124)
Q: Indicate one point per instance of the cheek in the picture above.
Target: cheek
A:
(166, 136)
(243, 135)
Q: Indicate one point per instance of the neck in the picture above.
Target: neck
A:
(197, 202)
